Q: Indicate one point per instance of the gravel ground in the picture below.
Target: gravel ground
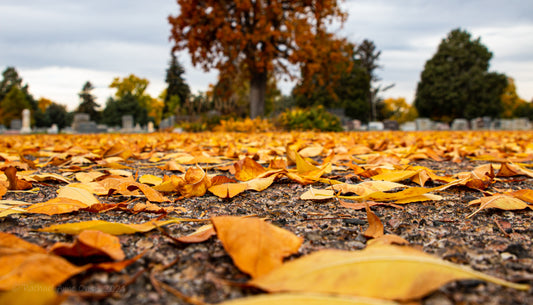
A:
(495, 242)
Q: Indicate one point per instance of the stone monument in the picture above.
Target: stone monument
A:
(26, 121)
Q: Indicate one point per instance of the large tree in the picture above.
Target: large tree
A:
(14, 96)
(88, 102)
(456, 82)
(177, 89)
(266, 36)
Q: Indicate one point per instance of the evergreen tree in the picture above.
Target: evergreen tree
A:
(12, 79)
(177, 91)
(368, 56)
(12, 105)
(456, 83)
(88, 102)
(126, 104)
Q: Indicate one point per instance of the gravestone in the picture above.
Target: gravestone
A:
(150, 127)
(391, 125)
(79, 118)
(16, 124)
(506, 124)
(375, 125)
(26, 121)
(53, 129)
(408, 126)
(460, 124)
(137, 128)
(87, 127)
(423, 124)
(520, 124)
(127, 123)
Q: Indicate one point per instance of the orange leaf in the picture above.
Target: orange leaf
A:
(150, 193)
(173, 166)
(202, 234)
(255, 246)
(58, 205)
(196, 182)
(3, 190)
(247, 169)
(499, 201)
(14, 182)
(228, 190)
(91, 243)
(11, 241)
(510, 169)
(375, 227)
(388, 239)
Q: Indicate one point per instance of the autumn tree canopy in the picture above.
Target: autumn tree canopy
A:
(265, 36)
(456, 83)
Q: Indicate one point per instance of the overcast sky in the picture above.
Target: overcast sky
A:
(58, 45)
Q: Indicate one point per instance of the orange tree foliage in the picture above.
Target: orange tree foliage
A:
(264, 36)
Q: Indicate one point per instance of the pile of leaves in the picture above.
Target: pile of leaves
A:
(75, 199)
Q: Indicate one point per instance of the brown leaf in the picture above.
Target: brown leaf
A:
(255, 246)
(58, 205)
(14, 182)
(91, 243)
(375, 227)
(201, 234)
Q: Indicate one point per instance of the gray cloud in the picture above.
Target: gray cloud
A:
(102, 38)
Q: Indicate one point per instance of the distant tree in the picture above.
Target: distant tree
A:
(56, 114)
(11, 88)
(510, 99)
(88, 102)
(368, 56)
(43, 103)
(397, 109)
(456, 83)
(338, 84)
(177, 89)
(268, 36)
(130, 98)
(524, 110)
(12, 105)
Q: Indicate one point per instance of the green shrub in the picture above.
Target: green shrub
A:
(314, 118)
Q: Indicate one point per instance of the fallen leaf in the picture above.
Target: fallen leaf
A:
(150, 179)
(394, 175)
(228, 190)
(380, 271)
(375, 227)
(150, 193)
(305, 299)
(388, 239)
(113, 228)
(196, 182)
(78, 194)
(511, 169)
(91, 243)
(54, 206)
(13, 242)
(201, 234)
(499, 201)
(31, 293)
(14, 182)
(256, 247)
(247, 169)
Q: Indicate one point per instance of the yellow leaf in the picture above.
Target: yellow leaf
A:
(201, 234)
(78, 194)
(49, 176)
(256, 247)
(113, 228)
(380, 271)
(247, 169)
(311, 151)
(150, 179)
(31, 293)
(317, 194)
(367, 187)
(88, 177)
(260, 184)
(228, 190)
(394, 175)
(305, 299)
(58, 205)
(502, 202)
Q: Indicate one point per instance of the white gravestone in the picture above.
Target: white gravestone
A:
(25, 121)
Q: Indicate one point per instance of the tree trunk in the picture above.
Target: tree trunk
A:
(257, 94)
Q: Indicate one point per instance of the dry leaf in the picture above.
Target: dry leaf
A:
(247, 169)
(113, 228)
(31, 293)
(255, 246)
(201, 234)
(305, 299)
(150, 193)
(499, 201)
(375, 227)
(150, 179)
(78, 194)
(13, 242)
(228, 190)
(196, 182)
(388, 239)
(394, 175)
(380, 271)
(14, 182)
(58, 205)
(91, 243)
